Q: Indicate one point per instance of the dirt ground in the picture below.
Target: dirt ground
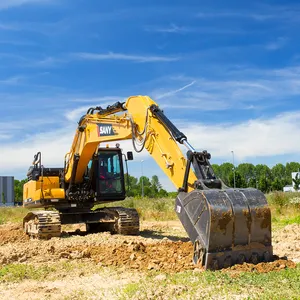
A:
(162, 246)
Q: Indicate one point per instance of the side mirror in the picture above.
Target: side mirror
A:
(129, 155)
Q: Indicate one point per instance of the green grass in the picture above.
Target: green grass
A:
(12, 214)
(19, 272)
(156, 209)
(285, 209)
(16, 272)
(189, 285)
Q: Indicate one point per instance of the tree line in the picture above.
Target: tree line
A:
(144, 186)
(258, 176)
(246, 175)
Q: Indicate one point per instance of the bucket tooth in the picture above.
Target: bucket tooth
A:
(226, 226)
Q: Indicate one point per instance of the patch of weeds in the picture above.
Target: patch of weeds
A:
(13, 214)
(80, 295)
(276, 285)
(69, 266)
(293, 220)
(284, 284)
(131, 289)
(19, 272)
(279, 200)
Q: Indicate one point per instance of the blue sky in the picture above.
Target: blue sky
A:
(227, 73)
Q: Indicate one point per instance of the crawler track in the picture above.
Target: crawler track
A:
(47, 224)
(127, 222)
(42, 224)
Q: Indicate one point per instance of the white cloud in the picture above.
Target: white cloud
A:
(173, 28)
(175, 91)
(122, 56)
(16, 157)
(17, 42)
(48, 62)
(12, 80)
(239, 88)
(4, 4)
(277, 44)
(75, 114)
(263, 16)
(250, 139)
(7, 26)
(4, 136)
(99, 100)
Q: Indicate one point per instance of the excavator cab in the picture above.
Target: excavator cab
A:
(109, 174)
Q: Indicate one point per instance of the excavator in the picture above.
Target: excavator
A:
(226, 225)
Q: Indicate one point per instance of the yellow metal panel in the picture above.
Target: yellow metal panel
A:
(51, 189)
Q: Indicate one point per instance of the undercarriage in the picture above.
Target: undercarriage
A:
(46, 224)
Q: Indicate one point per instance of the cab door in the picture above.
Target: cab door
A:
(110, 175)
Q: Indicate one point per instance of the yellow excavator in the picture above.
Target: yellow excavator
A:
(225, 225)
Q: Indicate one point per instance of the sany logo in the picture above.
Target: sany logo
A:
(106, 129)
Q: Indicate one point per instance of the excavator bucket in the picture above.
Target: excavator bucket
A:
(226, 226)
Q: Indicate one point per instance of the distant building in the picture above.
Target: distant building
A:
(290, 188)
(7, 194)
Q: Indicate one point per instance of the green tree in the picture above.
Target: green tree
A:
(239, 180)
(225, 171)
(162, 193)
(253, 183)
(296, 181)
(264, 185)
(263, 171)
(18, 189)
(247, 172)
(291, 167)
(217, 170)
(155, 183)
(152, 188)
(278, 171)
(277, 184)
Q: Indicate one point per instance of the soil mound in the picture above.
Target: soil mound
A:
(12, 234)
(277, 265)
(286, 242)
